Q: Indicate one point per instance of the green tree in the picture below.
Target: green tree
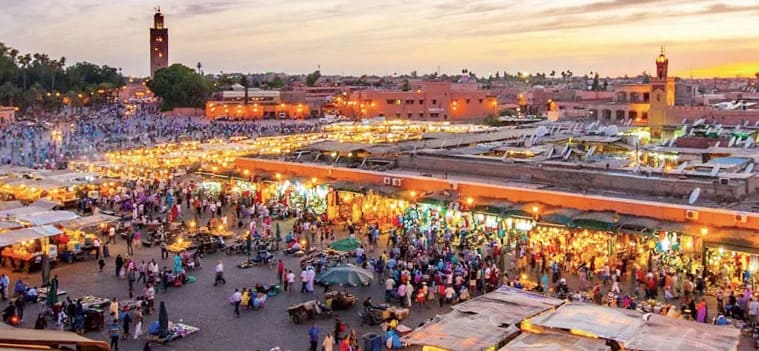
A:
(596, 85)
(277, 83)
(312, 78)
(405, 86)
(179, 86)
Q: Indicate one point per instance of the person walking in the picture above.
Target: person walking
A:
(313, 337)
(235, 300)
(329, 343)
(119, 263)
(114, 331)
(219, 274)
(290, 282)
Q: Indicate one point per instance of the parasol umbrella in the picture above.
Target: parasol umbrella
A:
(52, 292)
(163, 321)
(346, 275)
(345, 245)
(45, 270)
(248, 245)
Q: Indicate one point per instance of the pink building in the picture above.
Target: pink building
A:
(444, 101)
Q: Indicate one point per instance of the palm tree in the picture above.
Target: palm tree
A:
(200, 67)
(24, 61)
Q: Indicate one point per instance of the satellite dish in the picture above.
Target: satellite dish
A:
(665, 142)
(672, 142)
(731, 142)
(716, 145)
(756, 124)
(550, 153)
(682, 166)
(684, 129)
(646, 317)
(566, 148)
(715, 171)
(541, 131)
(694, 196)
(685, 120)
(749, 169)
(611, 130)
(745, 122)
(748, 143)
(699, 122)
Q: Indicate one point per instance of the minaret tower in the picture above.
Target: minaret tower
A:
(662, 96)
(159, 44)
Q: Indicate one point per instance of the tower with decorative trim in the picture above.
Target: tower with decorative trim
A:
(159, 44)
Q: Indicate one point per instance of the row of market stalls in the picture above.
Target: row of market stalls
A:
(59, 186)
(30, 233)
(510, 319)
(727, 256)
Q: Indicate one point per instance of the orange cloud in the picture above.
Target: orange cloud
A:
(740, 69)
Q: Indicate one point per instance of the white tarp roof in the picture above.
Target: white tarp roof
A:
(628, 328)
(88, 221)
(48, 217)
(554, 342)
(18, 235)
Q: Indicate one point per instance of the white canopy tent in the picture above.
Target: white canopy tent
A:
(24, 234)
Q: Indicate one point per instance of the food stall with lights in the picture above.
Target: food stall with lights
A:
(23, 248)
(79, 235)
(731, 257)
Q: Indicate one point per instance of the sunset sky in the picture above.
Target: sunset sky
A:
(703, 38)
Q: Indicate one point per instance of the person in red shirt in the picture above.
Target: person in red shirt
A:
(280, 270)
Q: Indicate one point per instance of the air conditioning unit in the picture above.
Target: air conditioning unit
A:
(724, 181)
(741, 218)
(397, 181)
(387, 180)
(691, 214)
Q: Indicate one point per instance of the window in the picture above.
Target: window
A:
(382, 115)
(467, 101)
(398, 102)
(159, 38)
(409, 102)
(480, 101)
(390, 101)
(434, 115)
(421, 115)
(445, 117)
(408, 115)
(421, 102)
(434, 101)
(398, 115)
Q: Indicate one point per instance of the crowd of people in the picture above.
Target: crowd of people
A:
(49, 140)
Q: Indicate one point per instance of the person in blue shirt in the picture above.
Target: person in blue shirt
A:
(313, 336)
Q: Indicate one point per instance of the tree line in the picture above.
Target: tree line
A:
(37, 81)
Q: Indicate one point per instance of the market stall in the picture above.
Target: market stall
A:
(24, 248)
(486, 322)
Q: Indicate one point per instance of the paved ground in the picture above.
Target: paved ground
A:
(205, 306)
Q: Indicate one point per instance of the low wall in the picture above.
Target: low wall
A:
(577, 179)
(662, 211)
(185, 111)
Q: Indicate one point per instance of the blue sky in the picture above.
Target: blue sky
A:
(613, 37)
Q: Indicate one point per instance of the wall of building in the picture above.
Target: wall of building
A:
(663, 211)
(432, 101)
(7, 114)
(676, 114)
(215, 109)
